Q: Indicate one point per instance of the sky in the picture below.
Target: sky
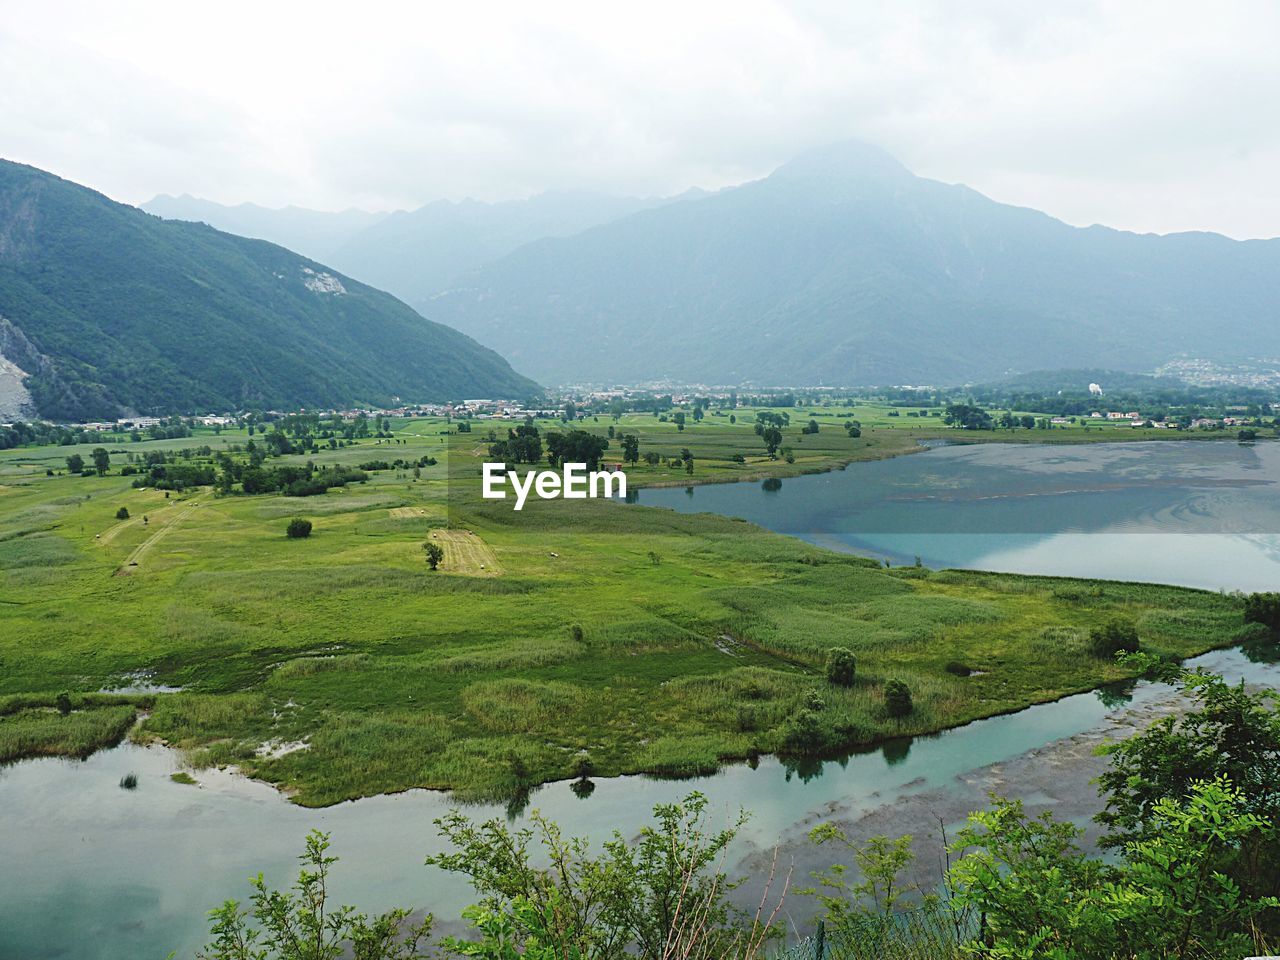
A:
(1141, 115)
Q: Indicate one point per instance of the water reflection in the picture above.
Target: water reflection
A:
(1263, 648)
(896, 750)
(1196, 514)
(1116, 695)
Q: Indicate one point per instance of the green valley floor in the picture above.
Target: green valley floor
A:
(591, 637)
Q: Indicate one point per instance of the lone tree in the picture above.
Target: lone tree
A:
(75, 463)
(122, 513)
(101, 460)
(897, 699)
(630, 448)
(298, 528)
(1114, 637)
(435, 554)
(842, 666)
(772, 437)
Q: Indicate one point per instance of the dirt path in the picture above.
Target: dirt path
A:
(466, 553)
(160, 517)
(174, 516)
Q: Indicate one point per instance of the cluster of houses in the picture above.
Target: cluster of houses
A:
(124, 423)
(1138, 420)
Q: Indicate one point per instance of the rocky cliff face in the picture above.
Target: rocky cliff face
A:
(17, 357)
(20, 360)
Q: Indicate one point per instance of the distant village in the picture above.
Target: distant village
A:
(596, 400)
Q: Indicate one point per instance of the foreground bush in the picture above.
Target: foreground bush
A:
(660, 897)
(300, 924)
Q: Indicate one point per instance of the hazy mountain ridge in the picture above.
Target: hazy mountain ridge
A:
(414, 254)
(117, 311)
(842, 267)
(312, 233)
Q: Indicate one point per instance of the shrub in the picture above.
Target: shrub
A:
(1114, 637)
(897, 699)
(1263, 608)
(122, 513)
(298, 528)
(958, 669)
(842, 666)
(129, 781)
(805, 732)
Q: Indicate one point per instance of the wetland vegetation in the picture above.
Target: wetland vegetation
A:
(340, 665)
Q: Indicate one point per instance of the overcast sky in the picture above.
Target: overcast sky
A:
(1153, 116)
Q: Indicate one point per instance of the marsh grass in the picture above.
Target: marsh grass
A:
(44, 732)
(512, 705)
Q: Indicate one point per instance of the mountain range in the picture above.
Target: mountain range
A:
(108, 311)
(842, 267)
(313, 233)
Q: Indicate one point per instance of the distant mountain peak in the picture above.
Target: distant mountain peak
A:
(843, 267)
(847, 159)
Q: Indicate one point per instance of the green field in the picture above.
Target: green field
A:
(596, 635)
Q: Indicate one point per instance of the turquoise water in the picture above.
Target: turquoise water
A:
(1202, 514)
(93, 872)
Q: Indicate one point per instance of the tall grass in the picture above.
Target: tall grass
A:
(45, 732)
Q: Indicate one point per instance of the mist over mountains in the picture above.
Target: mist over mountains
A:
(413, 254)
(312, 233)
(842, 267)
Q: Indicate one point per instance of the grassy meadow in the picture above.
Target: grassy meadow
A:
(571, 638)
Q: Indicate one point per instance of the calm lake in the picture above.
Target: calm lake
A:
(94, 871)
(1200, 514)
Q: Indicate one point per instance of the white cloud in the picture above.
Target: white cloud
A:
(1150, 116)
